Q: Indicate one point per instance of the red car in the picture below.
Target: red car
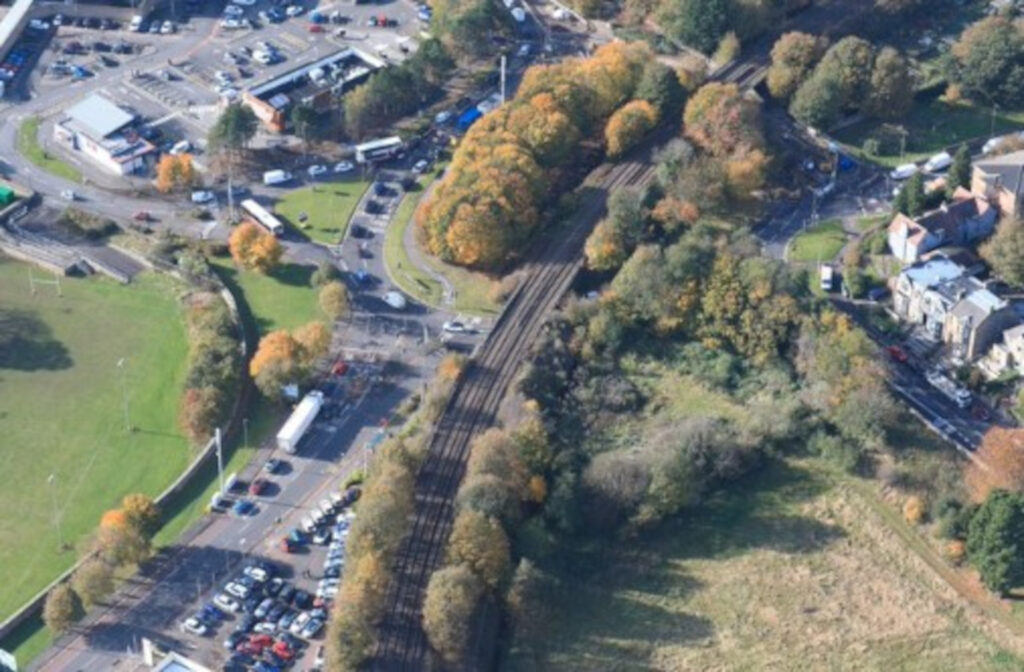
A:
(261, 639)
(896, 354)
(141, 216)
(979, 412)
(258, 486)
(316, 28)
(287, 545)
(283, 651)
(249, 649)
(340, 368)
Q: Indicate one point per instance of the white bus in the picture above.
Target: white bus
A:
(378, 150)
(259, 214)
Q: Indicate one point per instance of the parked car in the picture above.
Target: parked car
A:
(940, 161)
(243, 507)
(316, 170)
(272, 466)
(233, 640)
(237, 589)
(193, 625)
(454, 327)
(904, 171)
(322, 536)
(256, 573)
(258, 486)
(897, 354)
(312, 628)
(265, 628)
(294, 10)
(344, 166)
(420, 166)
(203, 196)
(227, 603)
(167, 28)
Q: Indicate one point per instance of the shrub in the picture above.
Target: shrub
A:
(453, 595)
(914, 510)
(61, 609)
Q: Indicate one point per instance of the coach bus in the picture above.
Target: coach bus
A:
(378, 150)
(259, 214)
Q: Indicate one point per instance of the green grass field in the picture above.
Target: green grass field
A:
(62, 411)
(931, 127)
(789, 570)
(328, 207)
(819, 243)
(281, 300)
(29, 147)
(472, 290)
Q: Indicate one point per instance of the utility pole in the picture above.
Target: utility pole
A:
(245, 431)
(503, 64)
(121, 364)
(231, 194)
(220, 461)
(52, 482)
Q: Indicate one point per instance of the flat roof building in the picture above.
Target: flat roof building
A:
(312, 85)
(103, 132)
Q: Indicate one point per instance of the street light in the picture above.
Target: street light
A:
(52, 482)
(121, 364)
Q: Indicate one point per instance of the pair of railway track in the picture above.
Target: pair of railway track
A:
(473, 408)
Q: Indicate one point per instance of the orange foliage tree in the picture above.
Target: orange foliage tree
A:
(253, 248)
(175, 172)
(998, 464)
(628, 125)
(722, 120)
(284, 358)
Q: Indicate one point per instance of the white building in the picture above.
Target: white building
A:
(102, 131)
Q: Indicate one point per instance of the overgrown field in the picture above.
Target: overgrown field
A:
(788, 570)
(62, 411)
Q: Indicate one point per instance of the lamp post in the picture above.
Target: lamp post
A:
(52, 482)
(122, 365)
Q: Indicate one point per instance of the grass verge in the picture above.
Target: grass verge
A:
(29, 147)
(282, 300)
(818, 243)
(328, 207)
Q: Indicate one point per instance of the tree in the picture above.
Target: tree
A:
(254, 249)
(698, 23)
(728, 49)
(999, 464)
(480, 543)
(141, 513)
(199, 413)
(119, 542)
(848, 62)
(304, 119)
(528, 599)
(93, 581)
(916, 200)
(234, 129)
(721, 119)
(960, 172)
(276, 363)
(994, 541)
(492, 496)
(314, 340)
(174, 172)
(61, 609)
(818, 101)
(890, 93)
(793, 58)
(1005, 251)
(334, 300)
(448, 608)
(325, 273)
(988, 61)
(628, 125)
(660, 86)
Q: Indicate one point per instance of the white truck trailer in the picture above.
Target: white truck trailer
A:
(955, 393)
(299, 421)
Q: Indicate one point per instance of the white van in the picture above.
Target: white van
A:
(395, 299)
(940, 161)
(136, 25)
(274, 177)
(904, 171)
(180, 148)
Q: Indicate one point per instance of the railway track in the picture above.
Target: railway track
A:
(473, 408)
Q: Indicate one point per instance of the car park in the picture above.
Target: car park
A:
(286, 619)
(276, 612)
(287, 593)
(237, 590)
(299, 623)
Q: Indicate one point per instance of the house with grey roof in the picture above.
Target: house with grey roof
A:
(1006, 355)
(104, 133)
(1000, 179)
(975, 322)
(966, 219)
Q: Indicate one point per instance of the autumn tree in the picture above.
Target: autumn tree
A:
(721, 119)
(615, 237)
(998, 463)
(141, 513)
(60, 609)
(745, 172)
(93, 581)
(276, 363)
(175, 172)
(994, 541)
(528, 600)
(325, 273)
(848, 63)
(628, 125)
(890, 90)
(120, 542)
(988, 61)
(451, 600)
(334, 300)
(659, 85)
(254, 249)
(1005, 251)
(199, 413)
(480, 543)
(793, 59)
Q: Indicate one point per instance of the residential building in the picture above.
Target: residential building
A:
(1006, 355)
(104, 133)
(967, 218)
(976, 321)
(1000, 179)
(911, 290)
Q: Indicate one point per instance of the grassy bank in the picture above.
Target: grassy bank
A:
(328, 207)
(821, 242)
(29, 147)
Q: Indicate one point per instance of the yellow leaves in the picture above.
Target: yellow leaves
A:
(276, 347)
(538, 489)
(745, 172)
(914, 510)
(313, 339)
(628, 125)
(451, 367)
(174, 172)
(254, 248)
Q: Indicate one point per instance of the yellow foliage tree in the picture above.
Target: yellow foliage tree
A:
(999, 464)
(480, 543)
(628, 125)
(254, 249)
(314, 340)
(174, 172)
(913, 510)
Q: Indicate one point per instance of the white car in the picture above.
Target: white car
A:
(181, 148)
(257, 574)
(344, 166)
(237, 589)
(263, 57)
(307, 525)
(265, 628)
(940, 161)
(335, 497)
(67, 194)
(223, 77)
(204, 196)
(327, 506)
(227, 603)
(233, 11)
(299, 623)
(991, 144)
(194, 625)
(244, 3)
(322, 536)
(442, 116)
(420, 166)
(454, 327)
(317, 170)
(230, 24)
(904, 171)
(167, 28)
(294, 10)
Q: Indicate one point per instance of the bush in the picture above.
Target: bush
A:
(88, 225)
(833, 448)
(61, 609)
(453, 595)
(325, 273)
(914, 510)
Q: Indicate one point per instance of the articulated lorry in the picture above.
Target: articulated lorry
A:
(299, 421)
(957, 394)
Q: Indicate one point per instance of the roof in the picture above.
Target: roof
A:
(944, 221)
(978, 305)
(12, 20)
(1014, 333)
(363, 66)
(99, 117)
(1008, 168)
(933, 272)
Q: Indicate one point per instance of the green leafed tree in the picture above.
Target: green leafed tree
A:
(234, 128)
(994, 541)
(793, 59)
(891, 91)
(698, 23)
(61, 609)
(1005, 251)
(818, 101)
(960, 172)
(453, 595)
(848, 62)
(93, 581)
(659, 85)
(334, 300)
(988, 61)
